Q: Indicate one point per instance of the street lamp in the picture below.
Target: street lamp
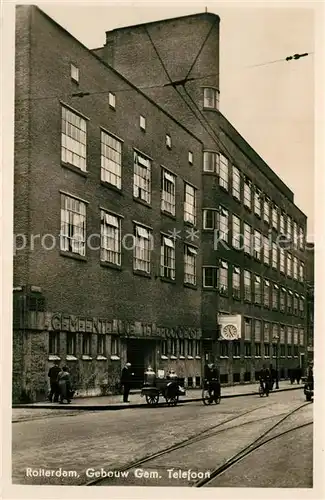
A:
(275, 339)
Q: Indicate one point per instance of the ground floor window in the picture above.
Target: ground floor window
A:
(164, 348)
(289, 350)
(54, 343)
(197, 348)
(236, 377)
(173, 347)
(71, 343)
(266, 349)
(101, 345)
(247, 376)
(86, 344)
(248, 349)
(296, 350)
(190, 347)
(224, 348)
(114, 346)
(257, 349)
(282, 350)
(181, 347)
(236, 348)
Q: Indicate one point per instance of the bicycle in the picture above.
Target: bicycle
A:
(211, 392)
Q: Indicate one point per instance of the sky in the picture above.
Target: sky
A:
(271, 105)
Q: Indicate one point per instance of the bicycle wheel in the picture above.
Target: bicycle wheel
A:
(206, 398)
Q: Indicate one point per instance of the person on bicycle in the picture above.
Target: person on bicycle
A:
(213, 380)
(265, 379)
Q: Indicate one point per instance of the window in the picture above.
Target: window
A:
(224, 348)
(74, 72)
(282, 351)
(114, 346)
(190, 204)
(266, 250)
(209, 219)
(257, 245)
(295, 268)
(190, 265)
(266, 210)
(236, 348)
(266, 332)
(295, 304)
(295, 336)
(257, 290)
(236, 282)
(111, 100)
(110, 250)
(289, 264)
(302, 306)
(223, 277)
(289, 301)
(223, 224)
(168, 141)
(301, 271)
(266, 293)
(73, 225)
(289, 227)
(258, 350)
(211, 98)
(301, 238)
(282, 299)
(247, 193)
(295, 234)
(289, 337)
(168, 182)
(257, 201)
(274, 350)
(248, 349)
(86, 344)
(258, 330)
(73, 139)
(211, 162)
(223, 172)
(282, 223)
(275, 217)
(173, 347)
(247, 329)
(235, 183)
(274, 256)
(54, 343)
(111, 160)
(247, 286)
(164, 348)
(267, 350)
(275, 296)
(236, 235)
(190, 347)
(197, 348)
(282, 260)
(302, 337)
(101, 345)
(142, 249)
(190, 157)
(181, 347)
(141, 177)
(71, 343)
(210, 277)
(247, 239)
(167, 262)
(282, 334)
(142, 122)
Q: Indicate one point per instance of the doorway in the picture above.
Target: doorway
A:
(140, 353)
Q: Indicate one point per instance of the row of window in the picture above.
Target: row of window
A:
(252, 196)
(273, 332)
(242, 236)
(252, 288)
(258, 350)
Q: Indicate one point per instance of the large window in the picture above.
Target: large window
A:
(86, 344)
(247, 239)
(235, 183)
(302, 306)
(282, 260)
(274, 256)
(210, 277)
(247, 193)
(289, 301)
(101, 345)
(275, 296)
(224, 172)
(211, 161)
(289, 341)
(275, 217)
(209, 218)
(301, 238)
(167, 260)
(266, 293)
(73, 225)
(71, 343)
(142, 178)
(257, 245)
(247, 286)
(257, 201)
(282, 223)
(73, 139)
(168, 182)
(111, 160)
(142, 249)
(54, 343)
(190, 254)
(223, 277)
(257, 290)
(223, 224)
(295, 233)
(236, 282)
(295, 304)
(289, 227)
(301, 271)
(282, 299)
(295, 268)
(266, 210)
(266, 250)
(110, 248)
(210, 98)
(289, 264)
(190, 204)
(236, 237)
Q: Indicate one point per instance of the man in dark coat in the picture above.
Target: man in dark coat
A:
(126, 381)
(53, 376)
(213, 378)
(265, 379)
(298, 373)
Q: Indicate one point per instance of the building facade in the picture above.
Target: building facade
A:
(146, 228)
(310, 283)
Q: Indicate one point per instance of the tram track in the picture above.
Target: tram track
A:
(203, 435)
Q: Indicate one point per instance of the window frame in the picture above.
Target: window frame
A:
(116, 237)
(142, 183)
(190, 217)
(190, 252)
(114, 149)
(168, 197)
(167, 254)
(71, 219)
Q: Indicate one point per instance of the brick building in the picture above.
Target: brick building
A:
(145, 224)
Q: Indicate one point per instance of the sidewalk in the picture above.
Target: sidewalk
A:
(115, 402)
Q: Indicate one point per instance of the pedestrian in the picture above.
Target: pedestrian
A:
(53, 376)
(298, 373)
(273, 377)
(213, 379)
(291, 373)
(265, 378)
(64, 381)
(126, 378)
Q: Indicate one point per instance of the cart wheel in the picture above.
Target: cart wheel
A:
(152, 399)
(217, 400)
(172, 400)
(206, 397)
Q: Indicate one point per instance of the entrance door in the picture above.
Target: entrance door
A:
(140, 353)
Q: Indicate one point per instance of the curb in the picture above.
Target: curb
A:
(122, 406)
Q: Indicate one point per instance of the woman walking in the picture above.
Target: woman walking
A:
(64, 381)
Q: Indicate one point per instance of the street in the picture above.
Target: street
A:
(103, 447)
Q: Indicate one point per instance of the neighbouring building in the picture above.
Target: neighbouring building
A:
(146, 228)
(310, 281)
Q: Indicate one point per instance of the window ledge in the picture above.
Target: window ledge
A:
(72, 255)
(189, 285)
(168, 280)
(85, 357)
(224, 357)
(182, 357)
(247, 357)
(73, 168)
(173, 357)
(289, 357)
(142, 202)
(164, 357)
(53, 357)
(101, 358)
(282, 357)
(236, 357)
(208, 230)
(115, 358)
(108, 185)
(190, 224)
(71, 357)
(138, 272)
(197, 357)
(190, 357)
(117, 267)
(266, 357)
(257, 357)
(168, 214)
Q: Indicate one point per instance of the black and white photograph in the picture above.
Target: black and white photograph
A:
(163, 259)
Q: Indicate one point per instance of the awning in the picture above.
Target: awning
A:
(192, 250)
(169, 177)
(111, 220)
(142, 232)
(168, 242)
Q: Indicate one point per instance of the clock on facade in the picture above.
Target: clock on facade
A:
(230, 332)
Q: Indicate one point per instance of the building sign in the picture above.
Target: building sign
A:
(70, 323)
(230, 326)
